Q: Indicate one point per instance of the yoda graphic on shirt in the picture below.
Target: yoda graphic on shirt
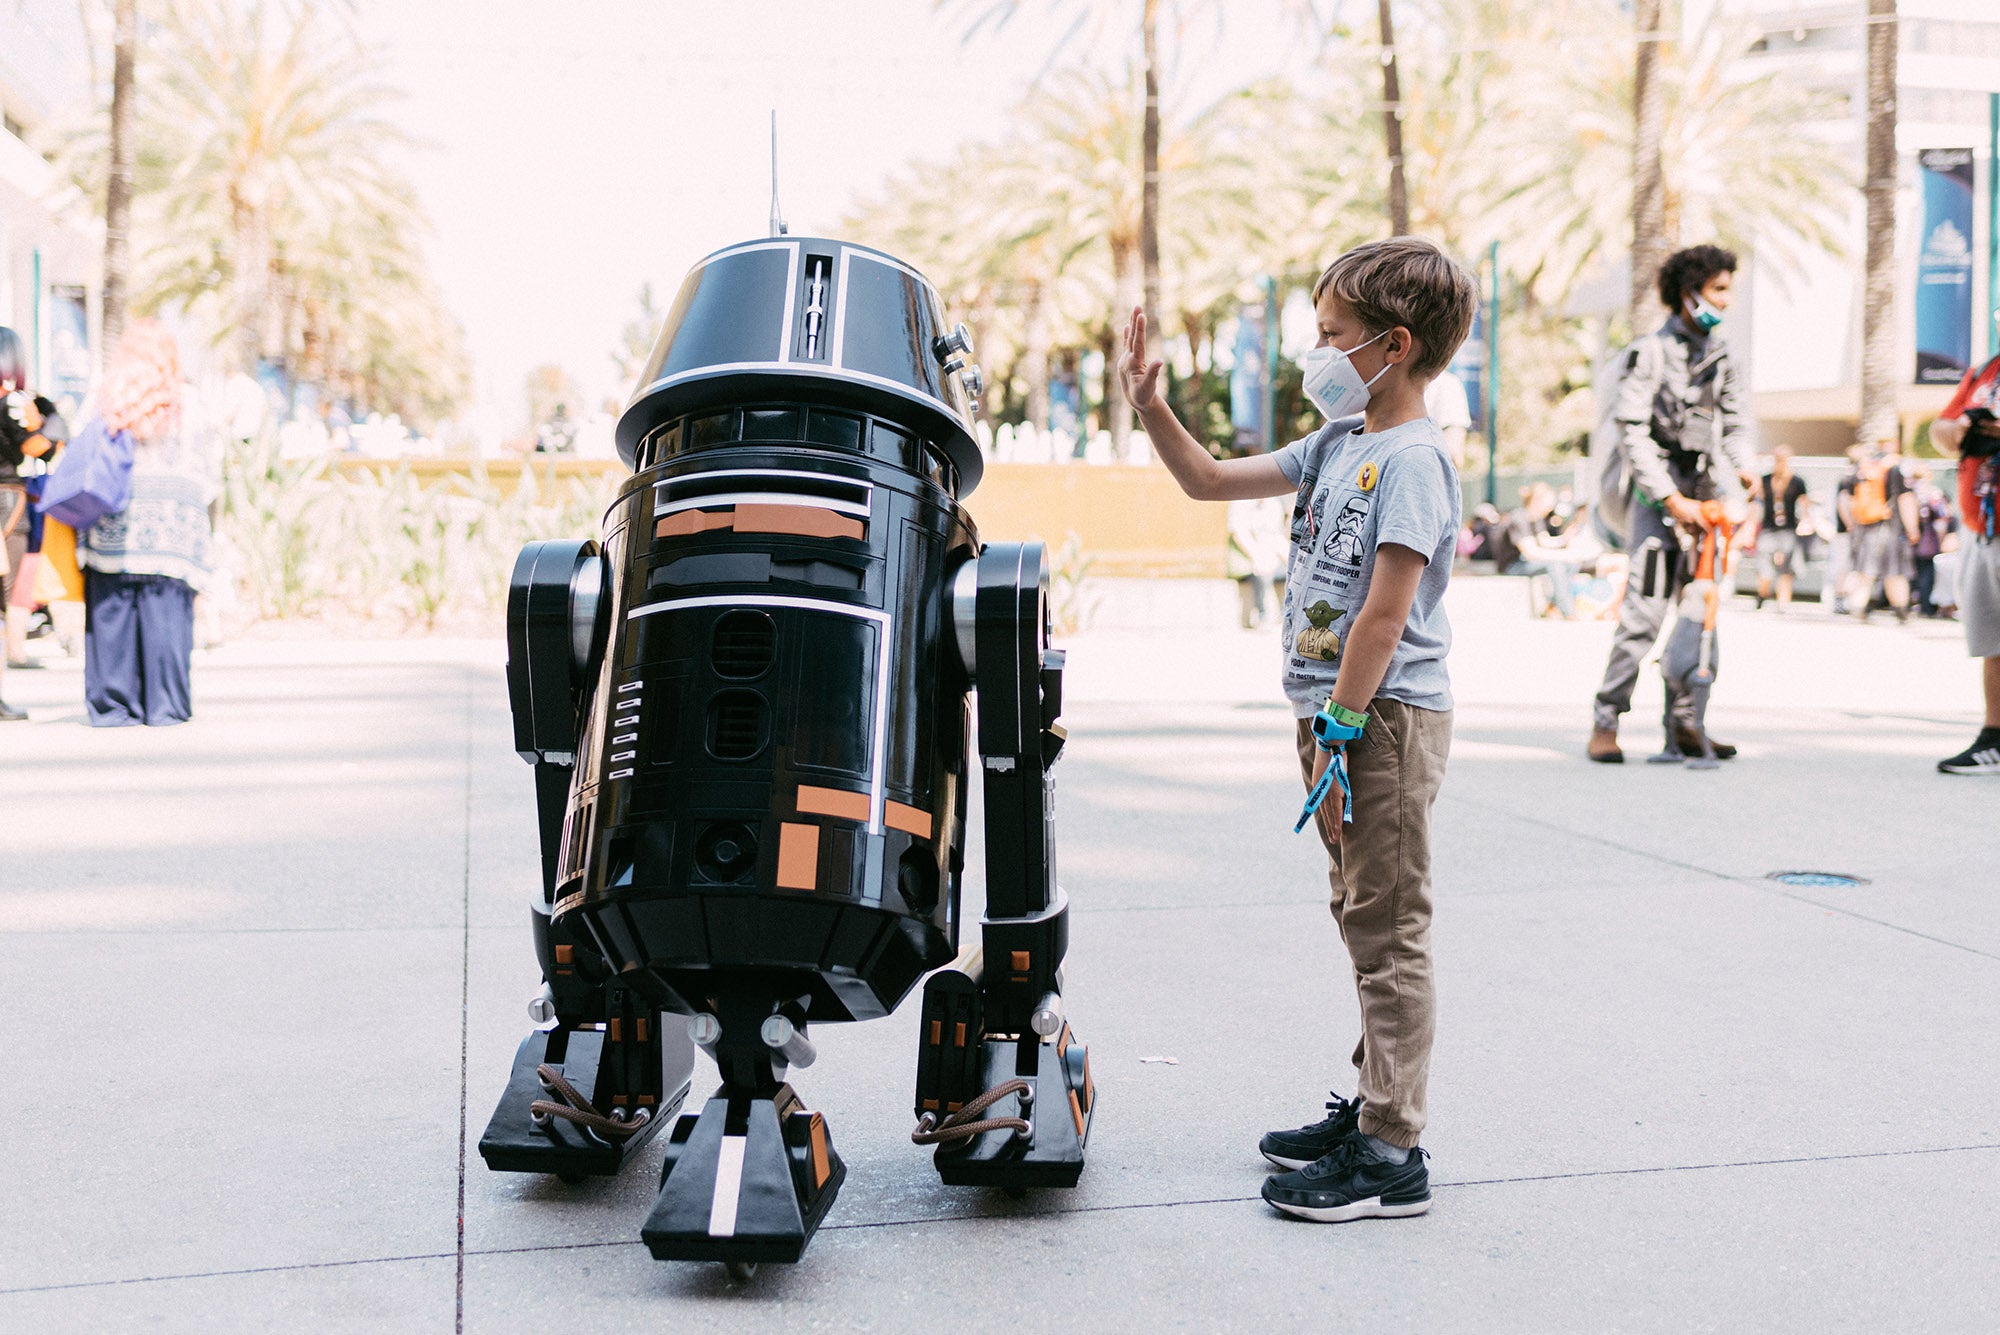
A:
(1318, 639)
(1343, 541)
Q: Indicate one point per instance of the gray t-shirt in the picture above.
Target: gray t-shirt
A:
(1356, 492)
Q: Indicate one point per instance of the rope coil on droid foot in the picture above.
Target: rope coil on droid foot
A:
(578, 1109)
(962, 1125)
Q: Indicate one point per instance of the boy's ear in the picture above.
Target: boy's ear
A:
(1401, 350)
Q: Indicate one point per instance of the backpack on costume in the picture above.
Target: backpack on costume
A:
(1683, 423)
(1611, 516)
(1870, 499)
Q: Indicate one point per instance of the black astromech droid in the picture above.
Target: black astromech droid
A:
(747, 709)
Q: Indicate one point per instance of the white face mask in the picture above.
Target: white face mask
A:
(1332, 383)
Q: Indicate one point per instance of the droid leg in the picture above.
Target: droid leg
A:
(750, 1178)
(1679, 663)
(1003, 1087)
(600, 1078)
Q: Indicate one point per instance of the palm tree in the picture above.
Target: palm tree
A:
(1146, 242)
(1037, 234)
(118, 180)
(1878, 295)
(1518, 126)
(1649, 187)
(275, 131)
(1149, 174)
(1392, 121)
(1738, 163)
(266, 209)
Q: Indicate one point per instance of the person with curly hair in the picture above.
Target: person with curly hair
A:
(1686, 434)
(143, 565)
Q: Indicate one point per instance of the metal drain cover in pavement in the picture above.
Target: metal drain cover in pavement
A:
(1823, 879)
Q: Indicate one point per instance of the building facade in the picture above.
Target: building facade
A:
(51, 243)
(1805, 314)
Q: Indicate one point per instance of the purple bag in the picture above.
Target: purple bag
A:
(94, 478)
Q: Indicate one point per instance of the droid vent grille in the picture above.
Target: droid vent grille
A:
(743, 645)
(736, 725)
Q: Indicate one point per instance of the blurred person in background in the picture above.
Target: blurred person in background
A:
(1786, 506)
(1882, 522)
(1256, 556)
(1477, 542)
(1934, 528)
(1562, 548)
(1446, 402)
(30, 427)
(1840, 544)
(1969, 427)
(143, 565)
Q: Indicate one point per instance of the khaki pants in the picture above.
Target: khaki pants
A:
(1381, 877)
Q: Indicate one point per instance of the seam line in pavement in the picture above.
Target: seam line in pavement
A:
(464, 1006)
(972, 1218)
(1749, 882)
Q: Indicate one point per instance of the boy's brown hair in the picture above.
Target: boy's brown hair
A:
(1406, 281)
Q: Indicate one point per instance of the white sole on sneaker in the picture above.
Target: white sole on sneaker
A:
(1293, 1164)
(1370, 1208)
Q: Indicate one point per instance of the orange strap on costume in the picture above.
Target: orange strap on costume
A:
(1715, 534)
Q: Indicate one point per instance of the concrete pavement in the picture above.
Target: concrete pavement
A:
(267, 972)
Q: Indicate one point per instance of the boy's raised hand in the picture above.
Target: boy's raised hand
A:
(1138, 380)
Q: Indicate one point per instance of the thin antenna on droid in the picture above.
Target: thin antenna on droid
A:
(778, 227)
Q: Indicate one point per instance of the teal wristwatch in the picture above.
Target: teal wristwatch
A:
(1337, 723)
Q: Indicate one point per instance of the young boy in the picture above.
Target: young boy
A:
(1373, 532)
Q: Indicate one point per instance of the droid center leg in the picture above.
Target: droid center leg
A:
(750, 1178)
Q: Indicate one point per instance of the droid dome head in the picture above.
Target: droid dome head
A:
(804, 322)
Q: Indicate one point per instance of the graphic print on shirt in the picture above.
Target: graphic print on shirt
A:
(1307, 512)
(1318, 639)
(1343, 540)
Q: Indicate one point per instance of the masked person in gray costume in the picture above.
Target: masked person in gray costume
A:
(1683, 438)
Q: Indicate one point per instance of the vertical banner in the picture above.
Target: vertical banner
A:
(1944, 267)
(1250, 432)
(1469, 365)
(67, 377)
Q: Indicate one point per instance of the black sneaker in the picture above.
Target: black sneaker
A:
(1296, 1149)
(1982, 757)
(1351, 1182)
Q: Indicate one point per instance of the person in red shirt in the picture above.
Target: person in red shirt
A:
(1969, 427)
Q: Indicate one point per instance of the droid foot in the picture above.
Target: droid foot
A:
(748, 1180)
(1054, 1098)
(520, 1140)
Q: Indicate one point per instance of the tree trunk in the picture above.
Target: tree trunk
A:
(1878, 300)
(1194, 390)
(1392, 122)
(1649, 189)
(250, 257)
(118, 184)
(1035, 356)
(1114, 403)
(1149, 185)
(1117, 413)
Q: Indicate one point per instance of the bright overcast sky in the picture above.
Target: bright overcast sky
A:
(581, 149)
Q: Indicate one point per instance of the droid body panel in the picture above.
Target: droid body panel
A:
(748, 715)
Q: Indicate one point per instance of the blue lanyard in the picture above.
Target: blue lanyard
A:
(1337, 769)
